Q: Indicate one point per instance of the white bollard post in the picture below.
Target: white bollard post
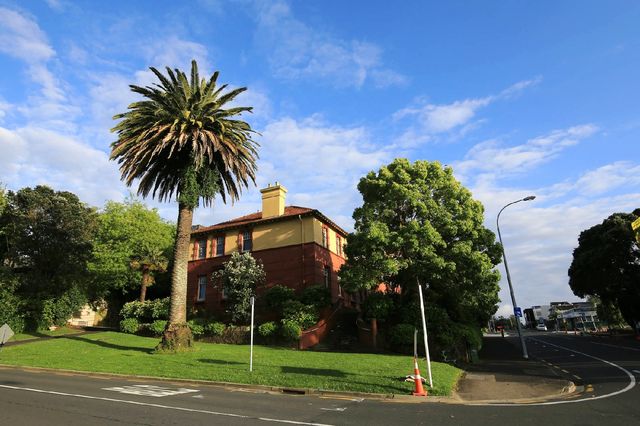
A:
(253, 301)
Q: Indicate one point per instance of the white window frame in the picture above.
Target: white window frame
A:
(200, 248)
(219, 238)
(202, 288)
(244, 240)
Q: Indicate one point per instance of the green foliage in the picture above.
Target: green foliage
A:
(401, 335)
(129, 325)
(276, 297)
(316, 295)
(157, 327)
(146, 311)
(303, 315)
(377, 305)
(268, 329)
(127, 231)
(46, 244)
(606, 264)
(418, 223)
(197, 326)
(290, 330)
(215, 328)
(240, 277)
(11, 306)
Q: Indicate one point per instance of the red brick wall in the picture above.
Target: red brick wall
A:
(284, 266)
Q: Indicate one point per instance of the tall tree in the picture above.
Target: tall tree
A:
(418, 223)
(183, 139)
(47, 245)
(148, 262)
(126, 230)
(606, 264)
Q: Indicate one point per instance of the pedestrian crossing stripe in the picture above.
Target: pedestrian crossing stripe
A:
(150, 390)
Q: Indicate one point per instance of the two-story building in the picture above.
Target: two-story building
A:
(298, 247)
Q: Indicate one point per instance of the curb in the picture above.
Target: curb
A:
(566, 391)
(279, 390)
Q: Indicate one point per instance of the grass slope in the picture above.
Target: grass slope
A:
(44, 333)
(112, 352)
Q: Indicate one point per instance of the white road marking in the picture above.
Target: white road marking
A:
(334, 409)
(150, 390)
(631, 385)
(167, 407)
(577, 377)
(636, 371)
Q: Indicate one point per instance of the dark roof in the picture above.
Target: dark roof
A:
(256, 219)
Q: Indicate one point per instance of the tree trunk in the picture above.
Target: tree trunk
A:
(143, 287)
(177, 336)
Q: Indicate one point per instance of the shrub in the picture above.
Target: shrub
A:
(157, 327)
(129, 325)
(276, 297)
(401, 335)
(11, 306)
(303, 315)
(268, 329)
(58, 310)
(196, 326)
(317, 295)
(160, 308)
(146, 311)
(215, 328)
(290, 330)
(378, 305)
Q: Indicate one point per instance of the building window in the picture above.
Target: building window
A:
(325, 237)
(327, 277)
(220, 246)
(247, 243)
(339, 245)
(202, 249)
(202, 288)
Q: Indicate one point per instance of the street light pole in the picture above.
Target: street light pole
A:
(525, 354)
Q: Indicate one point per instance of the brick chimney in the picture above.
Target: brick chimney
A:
(273, 200)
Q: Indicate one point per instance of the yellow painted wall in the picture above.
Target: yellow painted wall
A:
(272, 235)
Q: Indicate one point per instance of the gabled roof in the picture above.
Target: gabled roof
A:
(256, 219)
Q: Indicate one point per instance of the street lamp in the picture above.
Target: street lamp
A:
(525, 355)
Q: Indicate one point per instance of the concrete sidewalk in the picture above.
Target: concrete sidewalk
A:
(502, 375)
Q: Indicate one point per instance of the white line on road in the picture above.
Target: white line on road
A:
(636, 371)
(168, 407)
(616, 346)
(632, 383)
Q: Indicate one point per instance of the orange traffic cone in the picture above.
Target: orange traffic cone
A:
(417, 379)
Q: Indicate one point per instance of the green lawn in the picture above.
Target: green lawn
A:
(112, 352)
(47, 333)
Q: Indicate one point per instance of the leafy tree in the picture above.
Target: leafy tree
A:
(183, 139)
(47, 245)
(239, 277)
(606, 264)
(607, 312)
(151, 260)
(126, 231)
(418, 223)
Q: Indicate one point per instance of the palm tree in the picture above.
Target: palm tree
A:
(183, 140)
(150, 260)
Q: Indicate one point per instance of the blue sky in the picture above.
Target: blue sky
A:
(519, 97)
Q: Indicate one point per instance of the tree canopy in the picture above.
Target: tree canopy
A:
(185, 139)
(47, 245)
(239, 278)
(606, 264)
(418, 223)
(126, 230)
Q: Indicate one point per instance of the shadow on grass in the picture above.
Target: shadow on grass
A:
(221, 362)
(313, 371)
(109, 345)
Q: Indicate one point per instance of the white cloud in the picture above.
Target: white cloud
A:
(622, 174)
(33, 156)
(22, 38)
(297, 51)
(492, 160)
(432, 119)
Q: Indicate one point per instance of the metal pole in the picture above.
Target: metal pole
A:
(525, 354)
(424, 331)
(253, 300)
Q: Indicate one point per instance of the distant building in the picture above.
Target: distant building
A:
(541, 313)
(298, 247)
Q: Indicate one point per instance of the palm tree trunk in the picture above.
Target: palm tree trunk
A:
(177, 336)
(143, 287)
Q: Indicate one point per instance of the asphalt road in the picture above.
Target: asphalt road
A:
(604, 369)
